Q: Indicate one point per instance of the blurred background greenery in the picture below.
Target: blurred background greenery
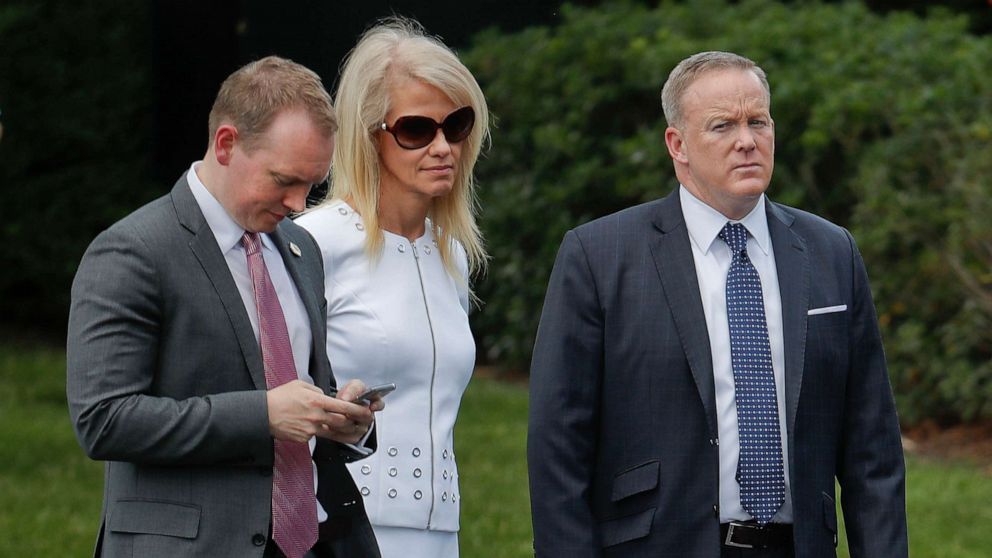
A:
(883, 112)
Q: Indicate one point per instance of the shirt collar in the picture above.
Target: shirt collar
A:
(226, 230)
(705, 223)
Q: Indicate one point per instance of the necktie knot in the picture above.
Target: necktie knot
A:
(251, 242)
(735, 235)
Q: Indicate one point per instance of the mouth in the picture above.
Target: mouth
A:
(748, 167)
(440, 169)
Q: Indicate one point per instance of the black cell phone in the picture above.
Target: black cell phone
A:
(380, 390)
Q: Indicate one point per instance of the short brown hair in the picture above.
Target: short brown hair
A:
(252, 96)
(694, 66)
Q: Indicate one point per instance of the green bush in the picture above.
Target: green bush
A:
(75, 94)
(883, 125)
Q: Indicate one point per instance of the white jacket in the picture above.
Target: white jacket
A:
(402, 319)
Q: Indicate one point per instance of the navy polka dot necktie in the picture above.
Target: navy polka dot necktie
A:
(759, 470)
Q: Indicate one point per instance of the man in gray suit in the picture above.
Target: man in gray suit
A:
(708, 364)
(186, 318)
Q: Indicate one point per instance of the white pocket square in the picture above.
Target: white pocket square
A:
(827, 310)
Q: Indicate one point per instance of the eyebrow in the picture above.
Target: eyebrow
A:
(297, 179)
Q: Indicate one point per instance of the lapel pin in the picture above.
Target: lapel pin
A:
(295, 249)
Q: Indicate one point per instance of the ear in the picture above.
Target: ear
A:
(676, 145)
(224, 141)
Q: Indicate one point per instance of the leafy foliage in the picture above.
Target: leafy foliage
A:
(883, 125)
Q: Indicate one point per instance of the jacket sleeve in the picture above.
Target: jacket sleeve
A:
(566, 373)
(872, 472)
(116, 320)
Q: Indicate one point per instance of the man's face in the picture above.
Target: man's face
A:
(726, 144)
(273, 178)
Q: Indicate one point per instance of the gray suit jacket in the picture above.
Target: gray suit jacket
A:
(623, 440)
(165, 383)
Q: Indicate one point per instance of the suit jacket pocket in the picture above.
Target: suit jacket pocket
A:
(155, 517)
(628, 528)
(829, 513)
(637, 479)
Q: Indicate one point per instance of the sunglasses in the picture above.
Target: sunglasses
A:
(414, 132)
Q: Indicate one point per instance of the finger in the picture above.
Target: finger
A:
(377, 404)
(342, 407)
(351, 390)
(338, 423)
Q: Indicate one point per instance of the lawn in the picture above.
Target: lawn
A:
(50, 492)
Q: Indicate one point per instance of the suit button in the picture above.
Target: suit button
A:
(393, 471)
(366, 469)
(258, 539)
(417, 472)
(392, 452)
(416, 452)
(392, 493)
(418, 494)
(365, 491)
(716, 511)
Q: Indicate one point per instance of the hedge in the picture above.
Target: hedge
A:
(883, 125)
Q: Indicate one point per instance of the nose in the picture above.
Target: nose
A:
(439, 147)
(296, 198)
(745, 139)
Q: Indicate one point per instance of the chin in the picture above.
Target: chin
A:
(753, 187)
(438, 190)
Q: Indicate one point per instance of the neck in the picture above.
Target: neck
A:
(208, 175)
(403, 213)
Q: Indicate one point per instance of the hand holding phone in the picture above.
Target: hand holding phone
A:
(380, 390)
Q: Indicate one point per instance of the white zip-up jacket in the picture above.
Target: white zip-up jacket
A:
(401, 319)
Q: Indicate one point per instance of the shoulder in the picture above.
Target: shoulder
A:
(616, 233)
(149, 226)
(811, 227)
(335, 227)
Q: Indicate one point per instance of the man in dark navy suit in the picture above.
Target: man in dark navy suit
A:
(708, 365)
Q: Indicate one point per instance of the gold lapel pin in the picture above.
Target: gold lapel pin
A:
(295, 249)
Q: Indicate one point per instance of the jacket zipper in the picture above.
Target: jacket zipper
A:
(430, 417)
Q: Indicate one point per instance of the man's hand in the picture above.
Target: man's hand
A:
(299, 411)
(354, 388)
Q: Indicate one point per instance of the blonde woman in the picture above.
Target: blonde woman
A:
(399, 242)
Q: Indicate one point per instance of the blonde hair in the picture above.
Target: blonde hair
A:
(398, 48)
(688, 70)
(252, 96)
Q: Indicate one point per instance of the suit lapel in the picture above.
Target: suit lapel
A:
(204, 247)
(293, 259)
(674, 263)
(792, 265)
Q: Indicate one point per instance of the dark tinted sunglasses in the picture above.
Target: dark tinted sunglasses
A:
(414, 132)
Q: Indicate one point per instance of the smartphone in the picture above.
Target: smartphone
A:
(380, 390)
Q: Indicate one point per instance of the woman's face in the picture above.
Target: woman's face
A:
(417, 175)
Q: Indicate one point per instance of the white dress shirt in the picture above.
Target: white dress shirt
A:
(712, 257)
(228, 234)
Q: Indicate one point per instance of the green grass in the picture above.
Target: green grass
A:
(50, 493)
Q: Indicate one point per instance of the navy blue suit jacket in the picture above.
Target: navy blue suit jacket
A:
(622, 447)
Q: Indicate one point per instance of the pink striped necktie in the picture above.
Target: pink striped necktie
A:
(294, 506)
